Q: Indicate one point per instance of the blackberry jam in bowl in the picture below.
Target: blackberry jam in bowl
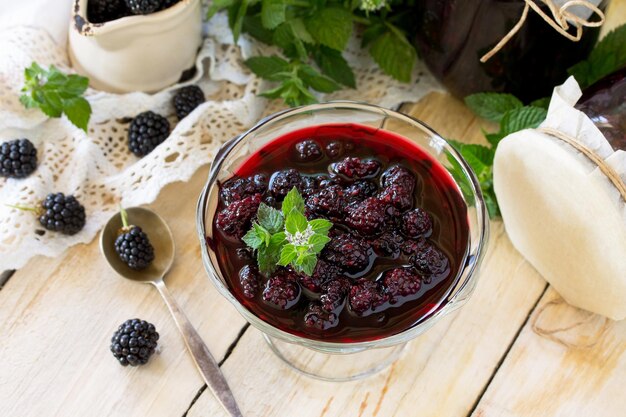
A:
(341, 231)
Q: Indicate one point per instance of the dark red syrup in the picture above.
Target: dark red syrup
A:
(435, 193)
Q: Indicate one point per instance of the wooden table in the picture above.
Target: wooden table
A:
(57, 315)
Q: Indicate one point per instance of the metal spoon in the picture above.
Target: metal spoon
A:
(163, 242)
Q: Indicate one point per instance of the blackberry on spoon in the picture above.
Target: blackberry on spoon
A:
(133, 246)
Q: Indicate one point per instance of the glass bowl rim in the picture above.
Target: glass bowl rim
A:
(347, 347)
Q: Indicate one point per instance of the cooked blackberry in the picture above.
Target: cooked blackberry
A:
(134, 342)
(62, 214)
(236, 219)
(146, 132)
(238, 188)
(365, 296)
(282, 182)
(143, 6)
(18, 158)
(318, 318)
(347, 252)
(308, 151)
(100, 11)
(417, 223)
(186, 100)
(281, 290)
(250, 280)
(133, 246)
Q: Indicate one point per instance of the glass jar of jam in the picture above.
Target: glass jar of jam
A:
(452, 36)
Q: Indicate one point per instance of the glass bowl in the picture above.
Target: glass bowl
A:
(332, 360)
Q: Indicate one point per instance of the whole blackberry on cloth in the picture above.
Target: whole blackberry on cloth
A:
(146, 132)
(133, 246)
(134, 342)
(61, 213)
(143, 6)
(18, 158)
(100, 11)
(187, 99)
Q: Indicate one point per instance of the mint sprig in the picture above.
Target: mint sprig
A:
(285, 237)
(512, 117)
(312, 36)
(56, 93)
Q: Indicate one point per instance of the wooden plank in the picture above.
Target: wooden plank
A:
(443, 372)
(540, 376)
(58, 315)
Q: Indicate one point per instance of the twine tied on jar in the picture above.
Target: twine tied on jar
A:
(561, 19)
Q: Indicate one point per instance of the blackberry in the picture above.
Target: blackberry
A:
(18, 158)
(388, 245)
(235, 219)
(146, 132)
(281, 290)
(347, 252)
(365, 296)
(398, 196)
(249, 279)
(368, 217)
(308, 151)
(100, 11)
(329, 202)
(334, 149)
(318, 318)
(62, 213)
(353, 168)
(416, 223)
(430, 260)
(134, 342)
(133, 246)
(334, 293)
(282, 182)
(186, 100)
(399, 175)
(310, 185)
(360, 190)
(143, 6)
(401, 282)
(237, 188)
(322, 273)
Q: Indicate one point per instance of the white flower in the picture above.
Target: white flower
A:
(372, 5)
(300, 238)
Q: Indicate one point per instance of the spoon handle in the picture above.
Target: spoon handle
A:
(203, 359)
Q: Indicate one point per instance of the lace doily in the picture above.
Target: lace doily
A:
(98, 168)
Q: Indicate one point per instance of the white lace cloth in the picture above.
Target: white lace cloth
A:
(98, 168)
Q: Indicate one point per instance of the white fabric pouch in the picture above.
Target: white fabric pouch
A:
(561, 212)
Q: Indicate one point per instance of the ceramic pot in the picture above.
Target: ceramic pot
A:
(136, 53)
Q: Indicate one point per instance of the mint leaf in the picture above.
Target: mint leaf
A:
(607, 56)
(334, 65)
(56, 93)
(523, 118)
(236, 14)
(253, 26)
(305, 264)
(321, 226)
(217, 5)
(273, 12)
(394, 54)
(267, 66)
(317, 242)
(544, 103)
(293, 200)
(492, 106)
(300, 31)
(270, 218)
(287, 255)
(317, 81)
(296, 222)
(285, 37)
(252, 239)
(331, 26)
(268, 256)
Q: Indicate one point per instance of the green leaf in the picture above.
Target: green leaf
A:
(78, 111)
(27, 101)
(317, 81)
(252, 239)
(253, 26)
(75, 86)
(306, 264)
(296, 222)
(268, 256)
(285, 37)
(331, 26)
(287, 255)
(267, 66)
(483, 153)
(273, 13)
(492, 106)
(523, 118)
(293, 201)
(334, 65)
(321, 226)
(394, 55)
(236, 14)
(300, 31)
(544, 103)
(317, 242)
(607, 56)
(270, 218)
